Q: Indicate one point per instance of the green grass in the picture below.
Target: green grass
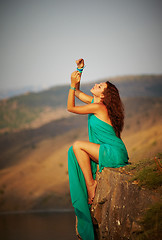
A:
(149, 177)
(147, 172)
(151, 224)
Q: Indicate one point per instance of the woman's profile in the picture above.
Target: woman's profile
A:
(105, 147)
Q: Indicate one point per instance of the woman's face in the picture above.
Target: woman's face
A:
(98, 89)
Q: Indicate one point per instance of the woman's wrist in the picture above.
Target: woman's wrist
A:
(79, 69)
(73, 88)
(73, 85)
(77, 86)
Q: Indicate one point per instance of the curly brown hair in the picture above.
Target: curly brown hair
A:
(115, 107)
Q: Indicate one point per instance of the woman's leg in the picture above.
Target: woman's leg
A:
(85, 150)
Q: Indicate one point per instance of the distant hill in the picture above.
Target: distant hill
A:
(33, 162)
(139, 86)
(19, 111)
(34, 144)
(129, 86)
(15, 91)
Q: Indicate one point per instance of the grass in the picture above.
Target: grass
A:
(148, 173)
(149, 177)
(151, 224)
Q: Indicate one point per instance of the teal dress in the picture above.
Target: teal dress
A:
(112, 153)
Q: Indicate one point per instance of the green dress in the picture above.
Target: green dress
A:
(112, 153)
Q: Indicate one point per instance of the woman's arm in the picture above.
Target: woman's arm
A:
(86, 109)
(89, 108)
(79, 94)
(83, 97)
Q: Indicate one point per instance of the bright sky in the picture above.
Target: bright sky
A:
(41, 39)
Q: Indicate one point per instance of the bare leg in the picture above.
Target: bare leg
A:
(83, 151)
(76, 228)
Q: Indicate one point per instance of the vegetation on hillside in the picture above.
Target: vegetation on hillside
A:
(15, 117)
(147, 172)
(151, 224)
(18, 111)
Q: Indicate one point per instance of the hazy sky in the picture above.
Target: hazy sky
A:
(41, 39)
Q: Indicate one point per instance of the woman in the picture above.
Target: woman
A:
(105, 147)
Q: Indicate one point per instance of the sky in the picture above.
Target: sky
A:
(41, 39)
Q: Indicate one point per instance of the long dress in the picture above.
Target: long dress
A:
(112, 153)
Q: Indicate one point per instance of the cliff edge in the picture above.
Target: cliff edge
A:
(119, 205)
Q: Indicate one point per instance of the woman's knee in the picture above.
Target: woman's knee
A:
(76, 145)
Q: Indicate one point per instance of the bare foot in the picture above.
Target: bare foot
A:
(91, 192)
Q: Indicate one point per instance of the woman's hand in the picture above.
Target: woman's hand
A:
(75, 78)
(80, 63)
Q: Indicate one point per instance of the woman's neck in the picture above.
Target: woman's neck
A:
(96, 99)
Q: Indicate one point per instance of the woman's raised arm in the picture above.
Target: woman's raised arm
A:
(78, 93)
(89, 108)
(83, 97)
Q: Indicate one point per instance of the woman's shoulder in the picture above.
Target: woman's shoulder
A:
(100, 106)
(103, 114)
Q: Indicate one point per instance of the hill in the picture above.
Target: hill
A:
(33, 161)
(34, 109)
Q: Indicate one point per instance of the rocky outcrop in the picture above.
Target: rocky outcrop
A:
(118, 205)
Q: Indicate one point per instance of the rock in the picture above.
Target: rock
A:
(118, 205)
